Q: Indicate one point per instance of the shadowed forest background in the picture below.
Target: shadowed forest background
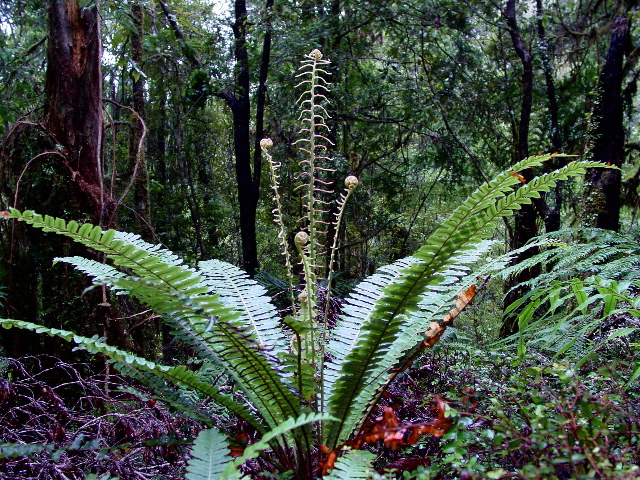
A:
(147, 116)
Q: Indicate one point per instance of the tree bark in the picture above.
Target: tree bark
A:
(73, 99)
(603, 195)
(137, 146)
(239, 101)
(552, 215)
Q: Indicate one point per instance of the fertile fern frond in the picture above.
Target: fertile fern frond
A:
(210, 456)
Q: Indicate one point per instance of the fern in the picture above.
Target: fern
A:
(408, 293)
(210, 456)
(354, 465)
(285, 390)
(581, 286)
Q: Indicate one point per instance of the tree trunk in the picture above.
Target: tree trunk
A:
(73, 120)
(239, 102)
(552, 215)
(73, 99)
(525, 227)
(603, 195)
(137, 146)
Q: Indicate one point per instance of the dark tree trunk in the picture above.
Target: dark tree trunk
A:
(552, 215)
(525, 227)
(137, 150)
(239, 101)
(73, 100)
(146, 336)
(603, 195)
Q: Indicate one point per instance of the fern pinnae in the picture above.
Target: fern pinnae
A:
(179, 293)
(243, 294)
(469, 223)
(210, 456)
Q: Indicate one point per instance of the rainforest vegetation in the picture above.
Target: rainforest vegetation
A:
(305, 239)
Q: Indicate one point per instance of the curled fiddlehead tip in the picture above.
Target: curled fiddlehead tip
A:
(266, 143)
(351, 182)
(301, 238)
(317, 54)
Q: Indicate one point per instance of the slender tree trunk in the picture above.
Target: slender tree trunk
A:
(239, 101)
(603, 195)
(525, 219)
(137, 147)
(552, 215)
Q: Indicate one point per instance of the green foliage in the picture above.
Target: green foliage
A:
(584, 302)
(353, 465)
(287, 392)
(210, 455)
(536, 420)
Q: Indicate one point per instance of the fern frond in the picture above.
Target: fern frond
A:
(353, 465)
(466, 227)
(252, 451)
(146, 371)
(210, 456)
(245, 295)
(182, 296)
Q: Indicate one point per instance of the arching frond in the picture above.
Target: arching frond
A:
(182, 296)
(238, 291)
(410, 292)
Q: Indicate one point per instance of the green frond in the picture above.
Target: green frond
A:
(353, 465)
(239, 292)
(210, 456)
(289, 425)
(182, 296)
(356, 311)
(408, 333)
(467, 226)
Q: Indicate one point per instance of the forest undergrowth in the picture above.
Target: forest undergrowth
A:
(377, 384)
